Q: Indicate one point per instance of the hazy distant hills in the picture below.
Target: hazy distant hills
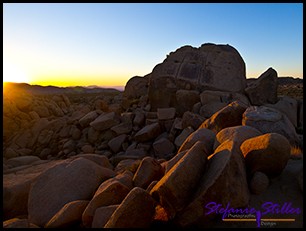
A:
(37, 89)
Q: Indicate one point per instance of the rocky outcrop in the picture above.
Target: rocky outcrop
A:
(213, 67)
(141, 159)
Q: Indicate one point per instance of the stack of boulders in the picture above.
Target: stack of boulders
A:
(189, 133)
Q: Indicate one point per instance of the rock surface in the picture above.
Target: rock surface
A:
(215, 67)
(135, 211)
(268, 153)
(67, 182)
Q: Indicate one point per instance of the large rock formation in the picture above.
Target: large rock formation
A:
(209, 67)
(264, 89)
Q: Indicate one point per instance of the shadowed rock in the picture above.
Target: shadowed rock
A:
(69, 215)
(67, 182)
(264, 89)
(102, 215)
(173, 191)
(135, 211)
(215, 67)
(225, 173)
(110, 192)
(148, 171)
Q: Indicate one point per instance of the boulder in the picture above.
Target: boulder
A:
(268, 153)
(135, 211)
(70, 214)
(186, 99)
(209, 109)
(87, 148)
(167, 165)
(229, 116)
(92, 134)
(191, 119)
(287, 106)
(16, 187)
(10, 153)
(175, 188)
(179, 140)
(98, 159)
(148, 171)
(64, 183)
(238, 134)
(139, 118)
(18, 223)
(225, 173)
(115, 144)
(41, 110)
(124, 163)
(166, 113)
(136, 87)
(215, 67)
(102, 215)
(126, 178)
(110, 192)
(213, 101)
(270, 120)
(148, 132)
(123, 128)
(105, 121)
(202, 134)
(264, 89)
(88, 118)
(163, 147)
(259, 183)
(22, 160)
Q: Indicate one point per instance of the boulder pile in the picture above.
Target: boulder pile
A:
(189, 133)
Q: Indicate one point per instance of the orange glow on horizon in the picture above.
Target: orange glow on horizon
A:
(68, 81)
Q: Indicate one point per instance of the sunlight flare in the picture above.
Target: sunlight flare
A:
(13, 73)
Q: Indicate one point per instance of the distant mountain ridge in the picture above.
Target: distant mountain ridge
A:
(37, 89)
(283, 80)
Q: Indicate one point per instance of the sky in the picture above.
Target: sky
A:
(105, 44)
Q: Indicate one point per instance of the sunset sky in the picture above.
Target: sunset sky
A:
(106, 44)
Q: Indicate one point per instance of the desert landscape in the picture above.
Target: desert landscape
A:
(193, 144)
